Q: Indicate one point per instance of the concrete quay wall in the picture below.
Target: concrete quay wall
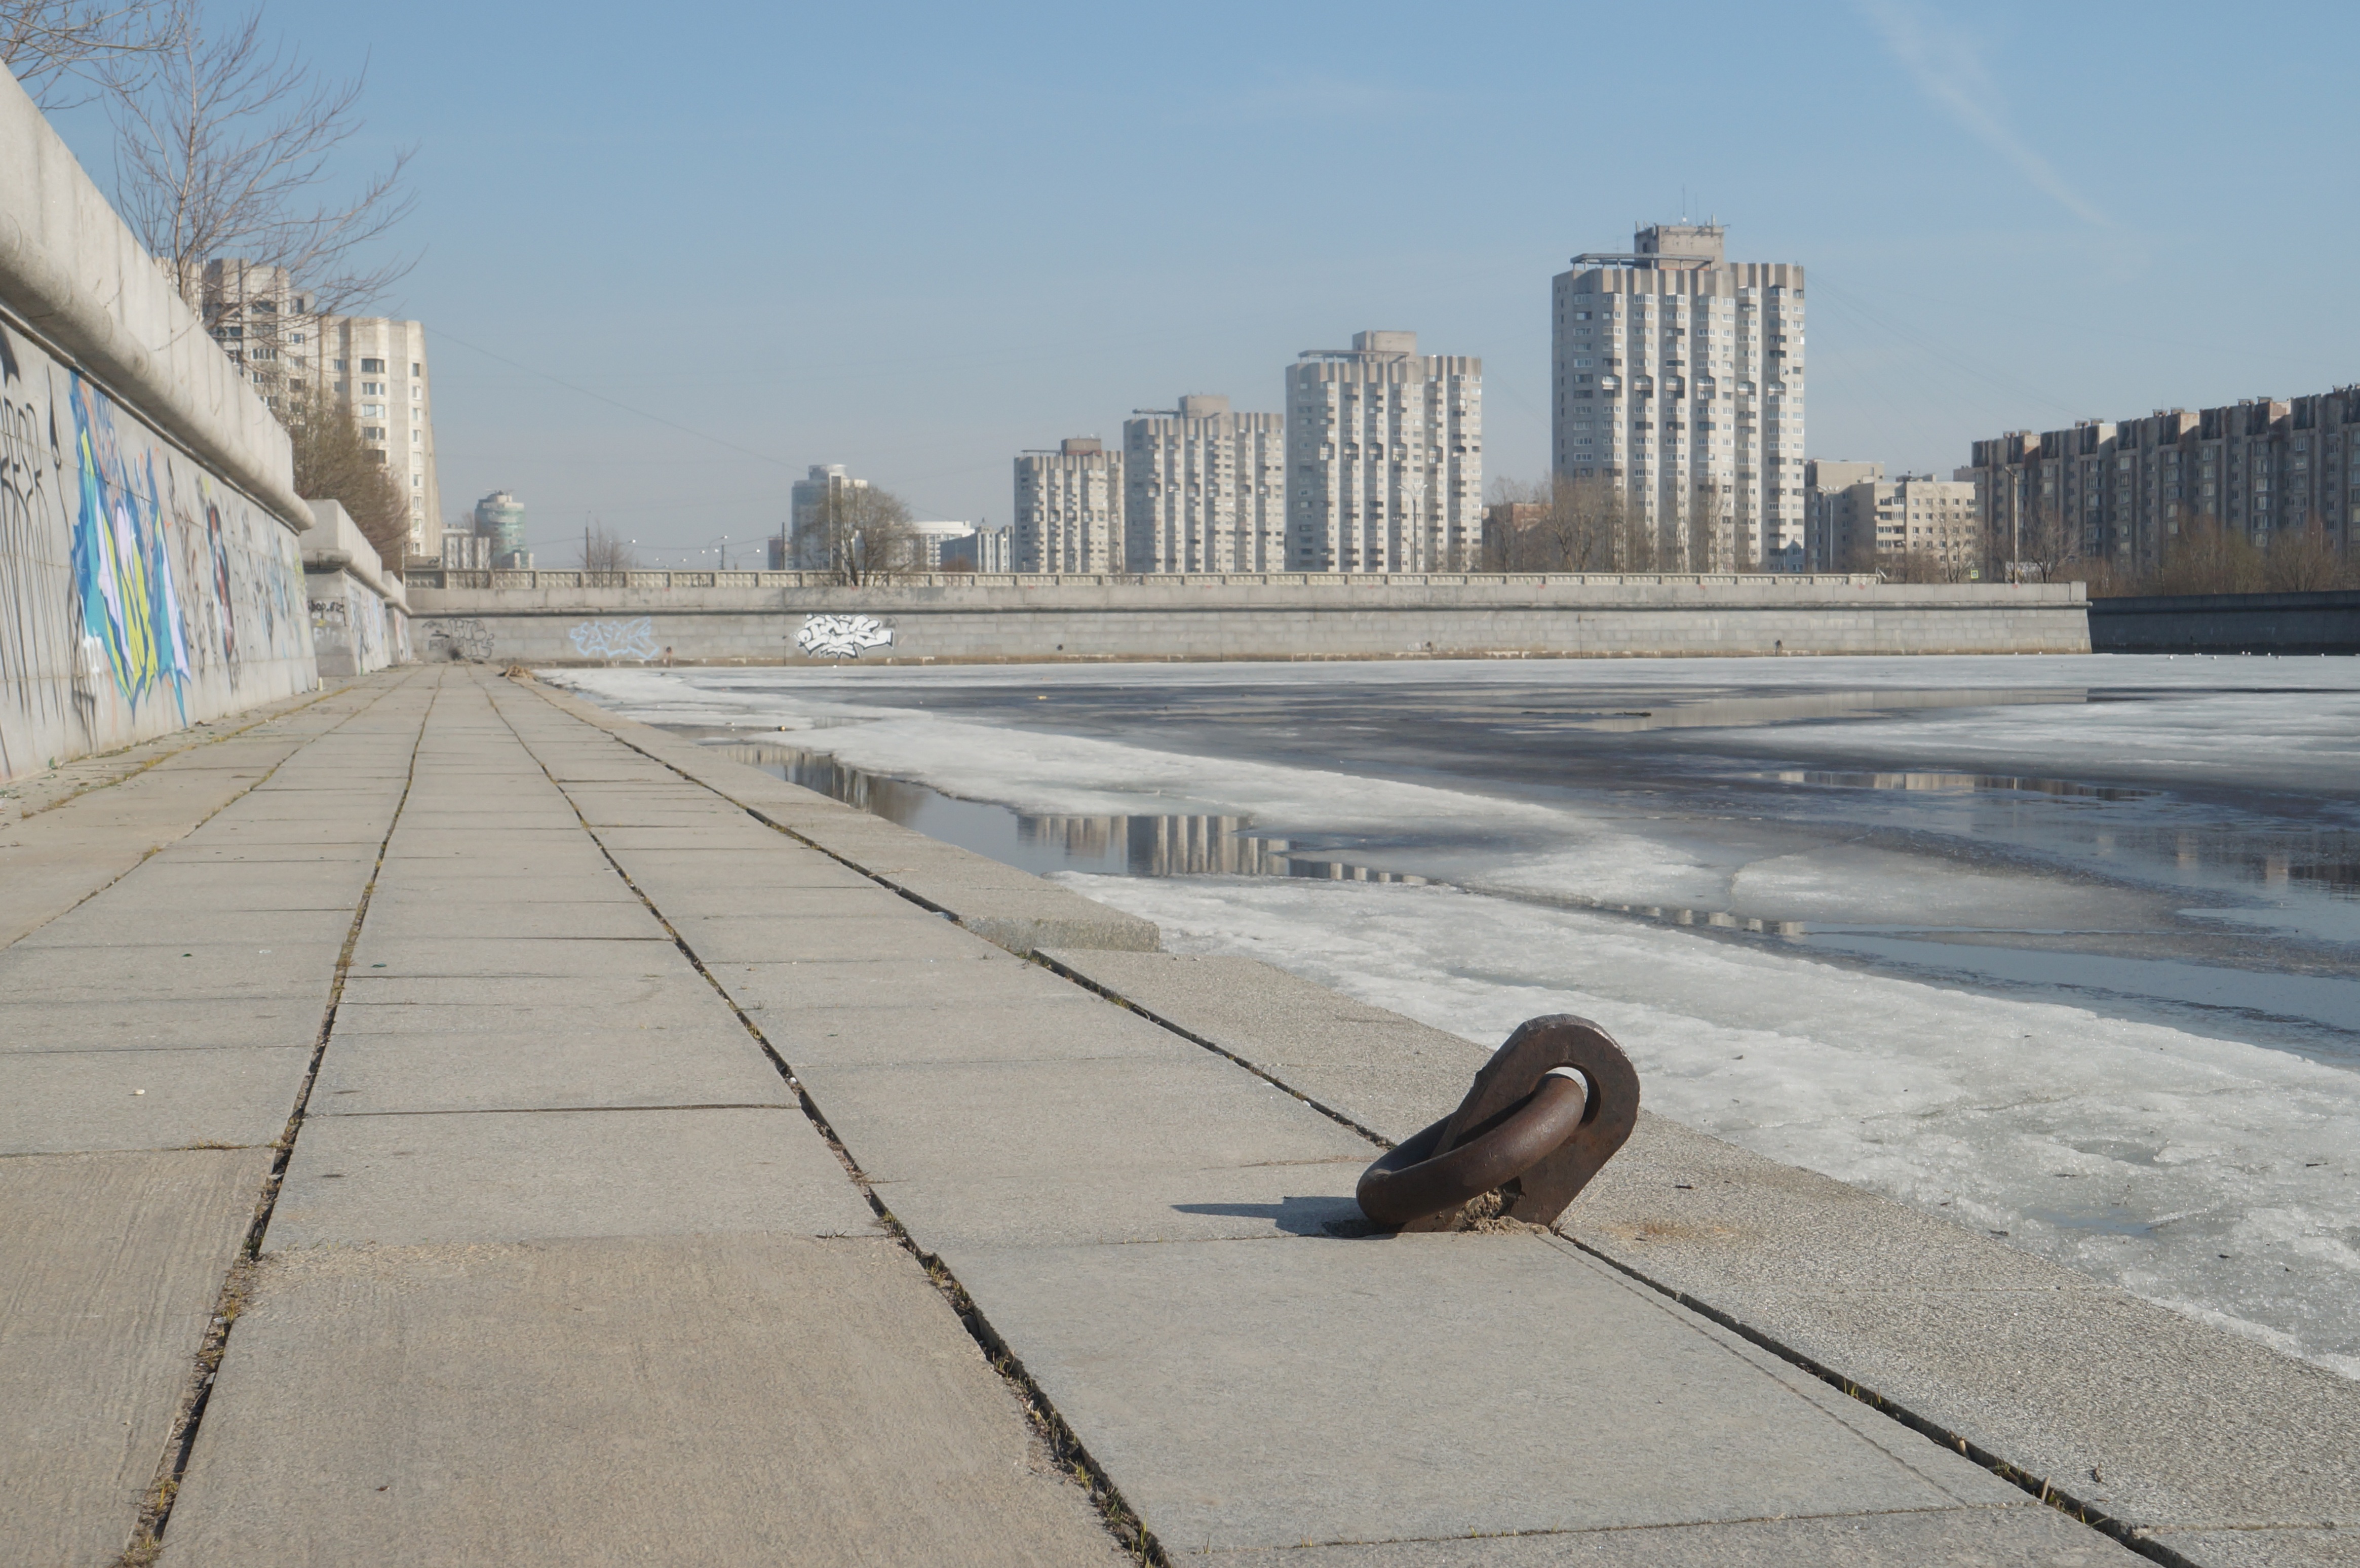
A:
(360, 612)
(150, 576)
(749, 617)
(2227, 622)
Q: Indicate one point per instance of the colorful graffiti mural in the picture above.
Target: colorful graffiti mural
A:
(137, 592)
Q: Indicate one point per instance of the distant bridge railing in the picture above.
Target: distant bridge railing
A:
(449, 577)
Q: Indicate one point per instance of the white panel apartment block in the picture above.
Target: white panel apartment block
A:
(1068, 509)
(1384, 458)
(374, 365)
(1205, 488)
(377, 368)
(1679, 376)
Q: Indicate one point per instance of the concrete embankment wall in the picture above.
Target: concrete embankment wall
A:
(2227, 622)
(556, 618)
(360, 613)
(151, 574)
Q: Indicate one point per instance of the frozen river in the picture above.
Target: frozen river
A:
(2065, 948)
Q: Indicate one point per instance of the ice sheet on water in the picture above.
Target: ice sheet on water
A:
(2136, 1153)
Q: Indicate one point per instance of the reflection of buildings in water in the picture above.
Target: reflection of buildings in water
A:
(1188, 846)
(1174, 844)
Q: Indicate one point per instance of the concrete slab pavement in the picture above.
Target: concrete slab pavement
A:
(130, 804)
(411, 1180)
(573, 1063)
(65, 1102)
(1263, 1395)
(107, 1285)
(695, 1400)
(545, 1280)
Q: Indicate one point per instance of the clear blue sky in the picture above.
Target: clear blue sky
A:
(916, 239)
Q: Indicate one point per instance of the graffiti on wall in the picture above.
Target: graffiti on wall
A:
(352, 628)
(462, 637)
(137, 592)
(616, 640)
(842, 637)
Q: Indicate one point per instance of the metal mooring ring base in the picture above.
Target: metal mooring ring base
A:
(1527, 1130)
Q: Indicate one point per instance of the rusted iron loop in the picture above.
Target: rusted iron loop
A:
(1527, 1130)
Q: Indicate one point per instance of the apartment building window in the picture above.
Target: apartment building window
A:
(372, 367)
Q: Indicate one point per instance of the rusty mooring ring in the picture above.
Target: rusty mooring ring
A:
(1526, 1130)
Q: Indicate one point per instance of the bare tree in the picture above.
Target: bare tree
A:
(859, 534)
(2305, 560)
(1560, 524)
(2206, 557)
(228, 147)
(2042, 547)
(1639, 548)
(334, 462)
(1921, 565)
(603, 551)
(64, 52)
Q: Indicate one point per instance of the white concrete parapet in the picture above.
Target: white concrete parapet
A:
(71, 269)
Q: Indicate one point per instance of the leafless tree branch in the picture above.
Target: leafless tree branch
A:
(604, 551)
(334, 462)
(224, 149)
(859, 535)
(64, 52)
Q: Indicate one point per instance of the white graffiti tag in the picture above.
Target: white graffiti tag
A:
(615, 639)
(842, 637)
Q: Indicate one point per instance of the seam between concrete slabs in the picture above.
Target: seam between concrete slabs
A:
(1122, 1522)
(259, 781)
(1277, 1554)
(2040, 1488)
(148, 1533)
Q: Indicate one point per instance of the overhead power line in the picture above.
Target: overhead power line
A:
(614, 403)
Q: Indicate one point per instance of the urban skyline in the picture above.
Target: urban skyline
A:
(1937, 246)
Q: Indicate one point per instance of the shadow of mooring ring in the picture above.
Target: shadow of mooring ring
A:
(1527, 1129)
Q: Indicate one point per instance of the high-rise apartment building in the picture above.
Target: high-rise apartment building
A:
(1068, 509)
(1384, 458)
(806, 542)
(1205, 489)
(2123, 493)
(1679, 379)
(375, 366)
